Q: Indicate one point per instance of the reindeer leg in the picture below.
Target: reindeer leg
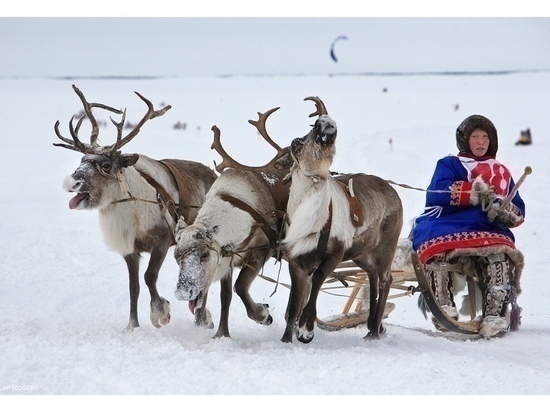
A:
(373, 299)
(376, 329)
(160, 307)
(226, 294)
(203, 317)
(132, 262)
(306, 325)
(299, 288)
(258, 312)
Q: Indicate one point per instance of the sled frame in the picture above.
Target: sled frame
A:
(346, 273)
(408, 282)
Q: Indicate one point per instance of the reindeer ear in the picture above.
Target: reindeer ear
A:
(212, 231)
(127, 160)
(180, 225)
(179, 228)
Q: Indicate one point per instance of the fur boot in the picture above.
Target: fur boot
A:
(496, 294)
(440, 278)
(474, 260)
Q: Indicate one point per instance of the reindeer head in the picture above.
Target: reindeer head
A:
(197, 255)
(97, 180)
(315, 151)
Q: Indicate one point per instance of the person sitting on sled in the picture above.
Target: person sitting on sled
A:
(464, 226)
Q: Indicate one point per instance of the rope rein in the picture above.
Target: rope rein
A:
(131, 198)
(406, 186)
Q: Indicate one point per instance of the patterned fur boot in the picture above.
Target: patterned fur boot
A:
(439, 275)
(496, 295)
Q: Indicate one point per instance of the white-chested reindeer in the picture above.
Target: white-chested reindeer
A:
(139, 199)
(238, 226)
(353, 217)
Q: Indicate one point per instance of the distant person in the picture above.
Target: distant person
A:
(464, 231)
(524, 137)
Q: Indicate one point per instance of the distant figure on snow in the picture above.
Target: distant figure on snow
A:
(465, 231)
(524, 137)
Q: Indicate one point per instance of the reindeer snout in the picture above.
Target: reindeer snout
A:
(70, 184)
(181, 294)
(329, 135)
(185, 290)
(325, 130)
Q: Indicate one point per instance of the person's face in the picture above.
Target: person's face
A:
(478, 142)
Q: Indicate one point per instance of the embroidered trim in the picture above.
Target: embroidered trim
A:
(461, 240)
(457, 193)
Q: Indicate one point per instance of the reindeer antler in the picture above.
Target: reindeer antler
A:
(76, 144)
(151, 114)
(228, 161)
(319, 105)
(93, 147)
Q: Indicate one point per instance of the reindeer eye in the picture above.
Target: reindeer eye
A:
(205, 255)
(106, 166)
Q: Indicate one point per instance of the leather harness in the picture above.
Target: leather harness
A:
(356, 216)
(165, 198)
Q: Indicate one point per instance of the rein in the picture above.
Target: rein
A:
(274, 237)
(164, 200)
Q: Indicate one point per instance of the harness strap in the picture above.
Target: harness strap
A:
(183, 189)
(356, 212)
(167, 200)
(257, 216)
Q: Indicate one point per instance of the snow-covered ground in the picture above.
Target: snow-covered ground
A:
(64, 295)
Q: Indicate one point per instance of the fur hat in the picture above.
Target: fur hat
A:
(466, 128)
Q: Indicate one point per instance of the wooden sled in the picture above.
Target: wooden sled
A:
(407, 281)
(348, 272)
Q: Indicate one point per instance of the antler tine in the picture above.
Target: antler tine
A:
(70, 144)
(319, 105)
(227, 161)
(88, 110)
(260, 126)
(119, 125)
(74, 144)
(151, 114)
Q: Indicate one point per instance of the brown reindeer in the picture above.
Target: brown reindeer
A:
(355, 217)
(238, 226)
(139, 199)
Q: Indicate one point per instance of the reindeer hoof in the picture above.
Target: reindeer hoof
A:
(131, 326)
(268, 321)
(160, 313)
(373, 336)
(305, 336)
(203, 319)
(287, 336)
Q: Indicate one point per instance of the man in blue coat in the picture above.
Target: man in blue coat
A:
(466, 221)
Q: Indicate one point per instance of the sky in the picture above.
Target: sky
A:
(118, 45)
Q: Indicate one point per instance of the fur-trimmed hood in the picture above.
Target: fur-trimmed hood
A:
(466, 128)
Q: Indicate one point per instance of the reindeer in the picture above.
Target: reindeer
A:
(139, 199)
(238, 226)
(354, 217)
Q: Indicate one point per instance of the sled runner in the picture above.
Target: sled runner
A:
(452, 325)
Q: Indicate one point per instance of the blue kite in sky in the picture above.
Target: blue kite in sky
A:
(332, 55)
